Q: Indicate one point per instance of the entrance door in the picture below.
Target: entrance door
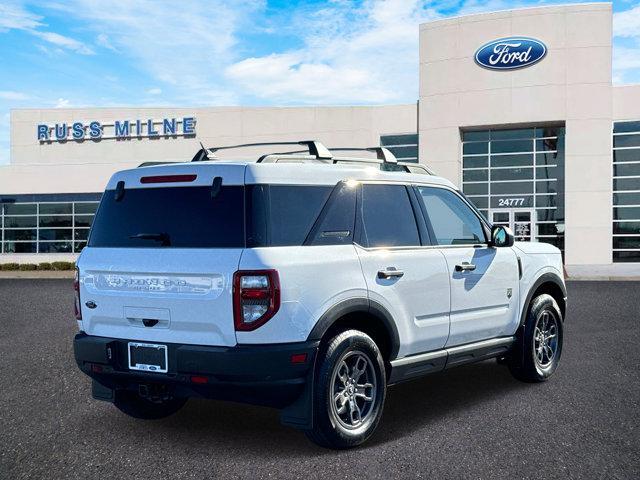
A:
(520, 221)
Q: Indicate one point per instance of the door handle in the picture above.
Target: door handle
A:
(465, 267)
(390, 272)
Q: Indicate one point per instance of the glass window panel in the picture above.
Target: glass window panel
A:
(484, 213)
(387, 217)
(549, 131)
(549, 228)
(512, 174)
(78, 246)
(404, 152)
(81, 234)
(626, 141)
(480, 202)
(452, 221)
(626, 198)
(20, 247)
(521, 160)
(19, 222)
(475, 148)
(475, 175)
(631, 155)
(29, 234)
(81, 208)
(475, 135)
(549, 200)
(474, 162)
(511, 188)
(408, 139)
(55, 208)
(475, 188)
(550, 158)
(621, 257)
(626, 242)
(501, 217)
(622, 127)
(20, 209)
(55, 247)
(512, 134)
(62, 221)
(548, 144)
(55, 234)
(627, 228)
(550, 186)
(626, 183)
(83, 220)
(630, 213)
(545, 214)
(511, 146)
(631, 169)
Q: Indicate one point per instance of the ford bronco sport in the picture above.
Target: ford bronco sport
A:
(304, 281)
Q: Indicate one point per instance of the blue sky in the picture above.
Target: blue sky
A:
(78, 53)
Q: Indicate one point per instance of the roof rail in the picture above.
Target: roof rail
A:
(314, 148)
(382, 153)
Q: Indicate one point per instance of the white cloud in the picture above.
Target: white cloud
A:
(62, 103)
(154, 91)
(64, 42)
(15, 17)
(351, 54)
(627, 23)
(11, 95)
(103, 41)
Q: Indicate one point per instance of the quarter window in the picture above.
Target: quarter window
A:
(452, 221)
(387, 217)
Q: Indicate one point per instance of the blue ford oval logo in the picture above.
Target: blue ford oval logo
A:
(510, 53)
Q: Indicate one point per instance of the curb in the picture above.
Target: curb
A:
(37, 274)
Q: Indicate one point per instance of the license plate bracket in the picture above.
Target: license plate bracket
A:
(148, 357)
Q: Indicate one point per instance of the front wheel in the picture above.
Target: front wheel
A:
(539, 347)
(349, 391)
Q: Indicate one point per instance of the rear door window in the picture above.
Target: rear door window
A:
(387, 217)
(176, 217)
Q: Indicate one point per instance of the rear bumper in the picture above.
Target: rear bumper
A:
(257, 374)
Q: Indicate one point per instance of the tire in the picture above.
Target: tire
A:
(349, 391)
(132, 404)
(539, 344)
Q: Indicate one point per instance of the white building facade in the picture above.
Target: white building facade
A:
(530, 127)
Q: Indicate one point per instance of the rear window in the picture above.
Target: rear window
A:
(176, 217)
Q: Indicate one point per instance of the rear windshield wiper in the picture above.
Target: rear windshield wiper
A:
(159, 237)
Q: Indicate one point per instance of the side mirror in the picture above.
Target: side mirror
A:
(501, 236)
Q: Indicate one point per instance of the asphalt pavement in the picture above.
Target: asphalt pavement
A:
(471, 422)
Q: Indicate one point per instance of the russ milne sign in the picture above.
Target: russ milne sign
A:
(120, 129)
(510, 53)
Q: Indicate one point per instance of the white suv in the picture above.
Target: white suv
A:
(306, 282)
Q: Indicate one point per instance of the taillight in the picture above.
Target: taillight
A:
(256, 298)
(76, 291)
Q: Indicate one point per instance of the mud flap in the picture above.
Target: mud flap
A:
(300, 413)
(100, 392)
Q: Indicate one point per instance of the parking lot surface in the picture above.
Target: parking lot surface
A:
(472, 422)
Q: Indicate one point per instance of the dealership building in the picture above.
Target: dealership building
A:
(517, 107)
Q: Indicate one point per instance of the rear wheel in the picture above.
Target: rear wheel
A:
(349, 391)
(539, 347)
(136, 406)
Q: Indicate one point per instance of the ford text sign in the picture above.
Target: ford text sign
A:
(510, 53)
